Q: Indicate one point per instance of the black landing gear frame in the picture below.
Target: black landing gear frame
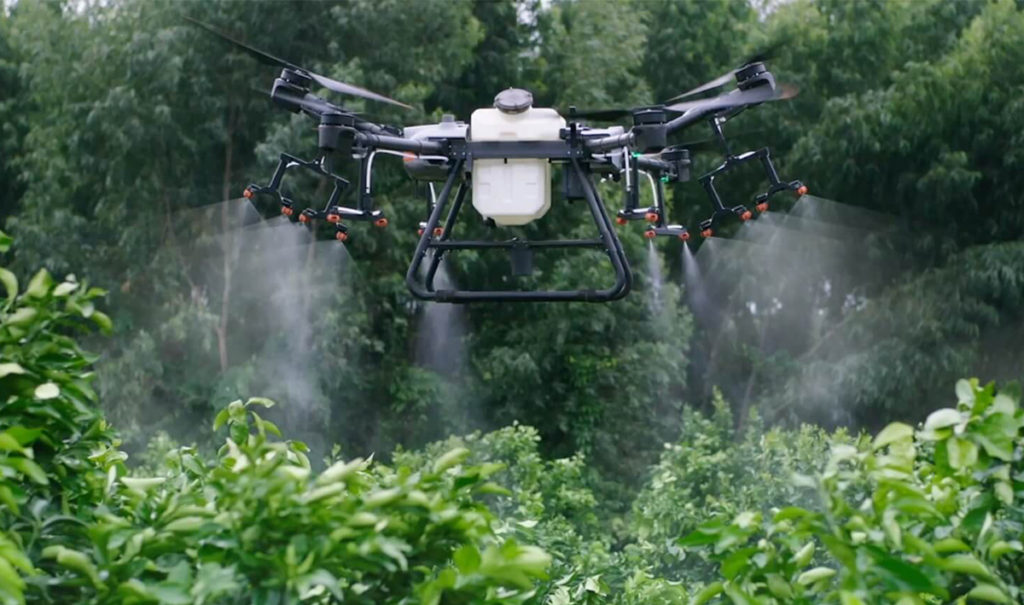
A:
(439, 240)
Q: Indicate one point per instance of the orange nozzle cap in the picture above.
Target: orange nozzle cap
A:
(621, 220)
(333, 218)
(381, 222)
(801, 190)
(341, 236)
(247, 194)
(706, 233)
(650, 234)
(438, 231)
(747, 215)
(651, 217)
(303, 218)
(685, 236)
(762, 207)
(287, 211)
(419, 231)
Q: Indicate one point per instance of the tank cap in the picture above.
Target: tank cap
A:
(513, 100)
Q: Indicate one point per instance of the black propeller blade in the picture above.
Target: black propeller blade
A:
(269, 59)
(758, 57)
(737, 98)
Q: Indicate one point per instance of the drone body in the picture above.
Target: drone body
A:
(502, 160)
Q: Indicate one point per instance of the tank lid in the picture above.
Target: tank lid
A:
(513, 100)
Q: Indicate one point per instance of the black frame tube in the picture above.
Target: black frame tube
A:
(608, 240)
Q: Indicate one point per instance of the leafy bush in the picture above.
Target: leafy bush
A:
(911, 516)
(253, 523)
(713, 471)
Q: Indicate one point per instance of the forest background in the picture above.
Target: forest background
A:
(123, 127)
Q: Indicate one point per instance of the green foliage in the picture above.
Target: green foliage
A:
(713, 471)
(254, 523)
(910, 516)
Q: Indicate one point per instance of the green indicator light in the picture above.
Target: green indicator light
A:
(635, 154)
(664, 179)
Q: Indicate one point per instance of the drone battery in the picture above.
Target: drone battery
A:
(513, 191)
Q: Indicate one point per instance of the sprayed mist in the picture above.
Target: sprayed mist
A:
(766, 299)
(271, 287)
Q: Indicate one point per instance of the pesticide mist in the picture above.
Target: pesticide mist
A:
(774, 292)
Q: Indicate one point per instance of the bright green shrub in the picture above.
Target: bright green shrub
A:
(912, 516)
(252, 523)
(713, 471)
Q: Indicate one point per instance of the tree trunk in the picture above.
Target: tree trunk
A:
(229, 245)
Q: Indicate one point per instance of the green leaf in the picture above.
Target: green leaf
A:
(10, 283)
(964, 392)
(966, 564)
(897, 431)
(990, 593)
(261, 401)
(467, 559)
(943, 418)
(142, 484)
(450, 459)
(47, 390)
(28, 468)
(813, 575)
(103, 321)
(803, 556)
(709, 592)
(74, 560)
(10, 578)
(221, 418)
(65, 288)
(995, 434)
(9, 444)
(5, 242)
(10, 368)
(21, 316)
(736, 562)
(40, 284)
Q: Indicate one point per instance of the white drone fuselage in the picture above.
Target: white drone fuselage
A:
(513, 191)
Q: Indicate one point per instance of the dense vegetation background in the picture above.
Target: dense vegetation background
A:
(121, 127)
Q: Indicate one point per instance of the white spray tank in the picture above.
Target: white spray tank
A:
(513, 191)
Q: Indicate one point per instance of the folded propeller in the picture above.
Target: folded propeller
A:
(269, 59)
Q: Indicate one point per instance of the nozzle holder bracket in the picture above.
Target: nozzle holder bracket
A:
(734, 161)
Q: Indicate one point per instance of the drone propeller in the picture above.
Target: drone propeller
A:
(269, 59)
(758, 57)
(737, 98)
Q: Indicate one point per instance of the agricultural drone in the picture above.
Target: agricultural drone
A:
(503, 160)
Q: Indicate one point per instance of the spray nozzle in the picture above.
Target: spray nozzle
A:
(381, 222)
(287, 207)
(307, 216)
(342, 233)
